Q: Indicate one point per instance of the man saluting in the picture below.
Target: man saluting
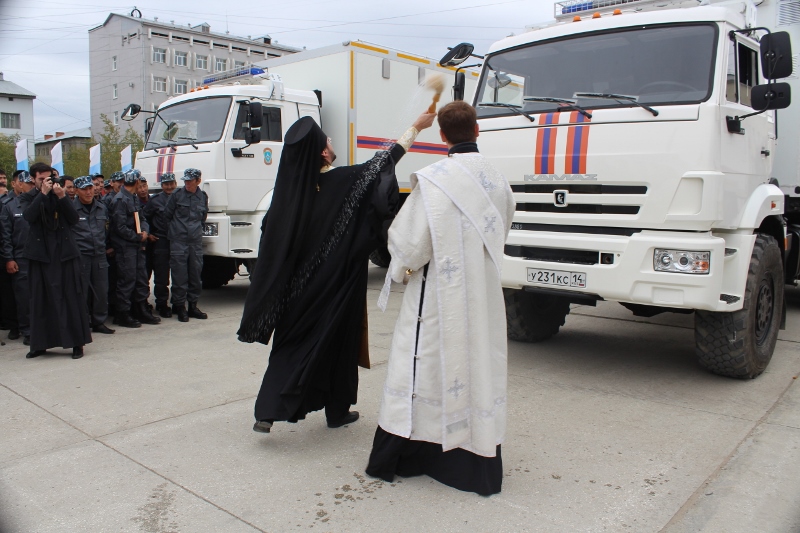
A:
(310, 282)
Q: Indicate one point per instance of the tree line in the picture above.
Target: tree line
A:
(76, 158)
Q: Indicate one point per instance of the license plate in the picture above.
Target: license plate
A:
(560, 278)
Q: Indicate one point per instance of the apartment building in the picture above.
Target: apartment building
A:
(142, 61)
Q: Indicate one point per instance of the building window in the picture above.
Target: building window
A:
(180, 86)
(160, 85)
(238, 64)
(180, 59)
(10, 121)
(159, 55)
(114, 63)
(222, 64)
(114, 91)
(116, 118)
(202, 62)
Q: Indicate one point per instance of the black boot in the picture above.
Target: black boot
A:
(164, 310)
(145, 315)
(13, 334)
(102, 328)
(35, 353)
(127, 321)
(195, 312)
(180, 312)
(77, 352)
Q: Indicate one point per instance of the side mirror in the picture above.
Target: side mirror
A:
(256, 115)
(459, 86)
(148, 125)
(776, 55)
(252, 136)
(772, 96)
(457, 55)
(131, 112)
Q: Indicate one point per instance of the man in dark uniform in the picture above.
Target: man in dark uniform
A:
(159, 227)
(97, 182)
(13, 235)
(186, 212)
(91, 234)
(8, 302)
(114, 185)
(128, 236)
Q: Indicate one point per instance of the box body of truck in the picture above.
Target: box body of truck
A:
(370, 94)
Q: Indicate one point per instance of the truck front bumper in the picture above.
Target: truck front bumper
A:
(232, 235)
(631, 277)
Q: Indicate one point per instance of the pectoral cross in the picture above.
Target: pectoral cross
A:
(448, 269)
(456, 389)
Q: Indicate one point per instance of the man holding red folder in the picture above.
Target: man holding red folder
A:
(129, 232)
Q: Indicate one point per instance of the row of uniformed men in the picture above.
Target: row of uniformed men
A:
(113, 234)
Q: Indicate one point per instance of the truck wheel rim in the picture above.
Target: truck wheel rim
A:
(764, 310)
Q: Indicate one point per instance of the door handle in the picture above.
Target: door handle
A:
(765, 152)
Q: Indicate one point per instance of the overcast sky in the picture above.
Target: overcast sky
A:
(44, 45)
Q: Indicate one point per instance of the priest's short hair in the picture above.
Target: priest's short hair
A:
(457, 121)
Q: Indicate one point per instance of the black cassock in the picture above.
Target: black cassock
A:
(59, 315)
(317, 307)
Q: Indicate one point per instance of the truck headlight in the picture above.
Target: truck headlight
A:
(211, 229)
(681, 261)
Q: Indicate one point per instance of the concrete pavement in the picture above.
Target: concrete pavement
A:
(612, 427)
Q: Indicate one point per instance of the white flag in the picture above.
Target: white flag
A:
(57, 161)
(126, 158)
(94, 159)
(22, 155)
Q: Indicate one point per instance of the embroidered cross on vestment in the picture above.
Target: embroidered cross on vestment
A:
(448, 269)
(456, 389)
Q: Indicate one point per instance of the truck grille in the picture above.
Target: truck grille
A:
(554, 255)
(582, 199)
(585, 209)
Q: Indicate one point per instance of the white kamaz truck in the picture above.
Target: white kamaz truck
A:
(231, 128)
(651, 173)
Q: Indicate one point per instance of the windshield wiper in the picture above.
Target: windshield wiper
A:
(566, 103)
(515, 108)
(619, 98)
(191, 141)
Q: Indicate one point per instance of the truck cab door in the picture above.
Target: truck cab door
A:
(251, 170)
(744, 154)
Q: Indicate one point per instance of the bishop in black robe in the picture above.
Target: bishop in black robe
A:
(310, 281)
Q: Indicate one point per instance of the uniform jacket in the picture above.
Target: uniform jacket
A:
(154, 211)
(186, 213)
(35, 213)
(123, 225)
(91, 231)
(13, 230)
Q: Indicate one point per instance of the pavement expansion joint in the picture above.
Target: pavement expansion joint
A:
(700, 491)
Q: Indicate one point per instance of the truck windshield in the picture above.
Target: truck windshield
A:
(192, 122)
(658, 65)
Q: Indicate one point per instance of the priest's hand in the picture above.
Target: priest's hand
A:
(59, 190)
(12, 267)
(425, 120)
(144, 236)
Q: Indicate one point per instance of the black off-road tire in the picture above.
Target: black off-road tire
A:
(218, 271)
(381, 257)
(532, 317)
(740, 344)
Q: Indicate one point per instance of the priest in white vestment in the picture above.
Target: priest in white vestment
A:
(443, 412)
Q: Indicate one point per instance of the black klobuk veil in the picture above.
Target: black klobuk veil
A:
(283, 231)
